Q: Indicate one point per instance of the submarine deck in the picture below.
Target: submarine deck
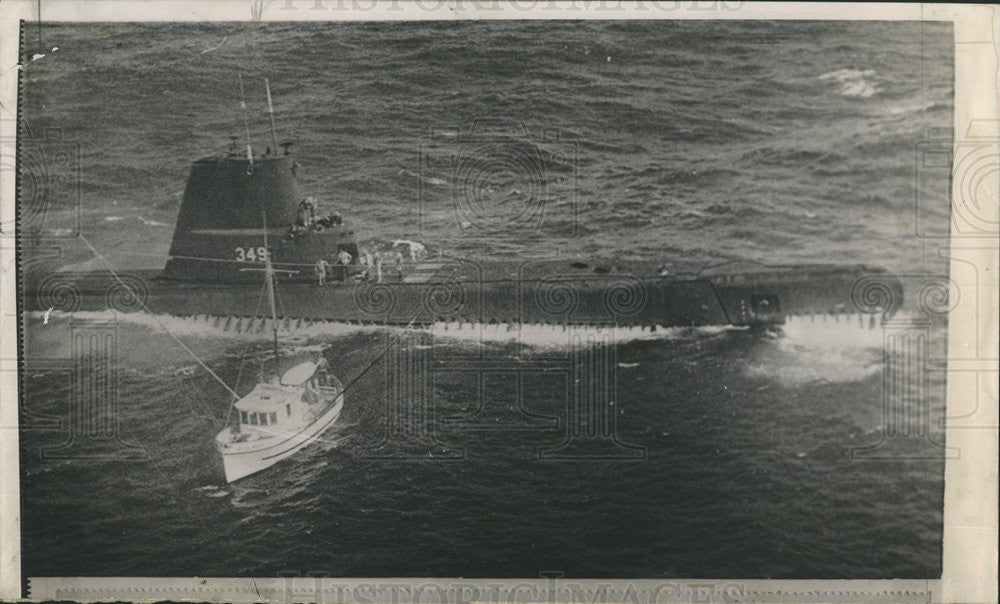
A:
(446, 289)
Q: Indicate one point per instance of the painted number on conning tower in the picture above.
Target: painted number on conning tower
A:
(251, 254)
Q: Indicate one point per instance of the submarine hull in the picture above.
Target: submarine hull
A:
(512, 293)
(238, 212)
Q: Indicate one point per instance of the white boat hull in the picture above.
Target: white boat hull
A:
(240, 460)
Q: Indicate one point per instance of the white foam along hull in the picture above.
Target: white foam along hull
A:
(243, 459)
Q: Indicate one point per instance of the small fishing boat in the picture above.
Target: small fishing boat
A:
(280, 415)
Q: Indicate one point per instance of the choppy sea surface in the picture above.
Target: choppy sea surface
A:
(676, 141)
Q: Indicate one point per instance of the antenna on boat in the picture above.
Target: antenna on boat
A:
(269, 275)
(270, 111)
(246, 122)
(269, 272)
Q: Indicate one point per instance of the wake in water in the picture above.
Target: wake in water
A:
(831, 348)
(212, 491)
(819, 330)
(301, 332)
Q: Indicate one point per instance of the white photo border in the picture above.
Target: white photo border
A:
(970, 506)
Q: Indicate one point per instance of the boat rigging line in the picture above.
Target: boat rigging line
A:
(138, 299)
(379, 356)
(274, 322)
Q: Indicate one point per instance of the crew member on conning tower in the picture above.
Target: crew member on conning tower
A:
(307, 212)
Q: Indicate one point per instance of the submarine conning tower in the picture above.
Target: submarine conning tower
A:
(220, 227)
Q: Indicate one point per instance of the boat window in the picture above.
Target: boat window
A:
(243, 416)
(263, 419)
(274, 417)
(288, 409)
(253, 419)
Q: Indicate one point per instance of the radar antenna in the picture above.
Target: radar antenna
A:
(270, 111)
(246, 123)
(269, 273)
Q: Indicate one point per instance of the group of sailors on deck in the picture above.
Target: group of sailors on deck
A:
(371, 264)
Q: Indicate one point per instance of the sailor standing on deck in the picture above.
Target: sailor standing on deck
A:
(321, 266)
(369, 264)
(343, 259)
(399, 263)
(363, 261)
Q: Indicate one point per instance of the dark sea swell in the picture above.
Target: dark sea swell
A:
(690, 141)
(748, 470)
(810, 123)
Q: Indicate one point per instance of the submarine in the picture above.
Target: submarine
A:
(237, 200)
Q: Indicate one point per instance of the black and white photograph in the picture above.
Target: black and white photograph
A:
(619, 298)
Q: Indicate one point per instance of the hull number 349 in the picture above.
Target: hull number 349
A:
(251, 254)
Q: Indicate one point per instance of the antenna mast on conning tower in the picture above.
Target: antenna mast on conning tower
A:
(246, 121)
(270, 111)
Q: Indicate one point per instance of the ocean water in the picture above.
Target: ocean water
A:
(675, 141)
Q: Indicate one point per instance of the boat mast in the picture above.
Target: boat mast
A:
(269, 276)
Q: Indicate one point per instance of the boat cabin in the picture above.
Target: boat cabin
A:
(289, 400)
(270, 405)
